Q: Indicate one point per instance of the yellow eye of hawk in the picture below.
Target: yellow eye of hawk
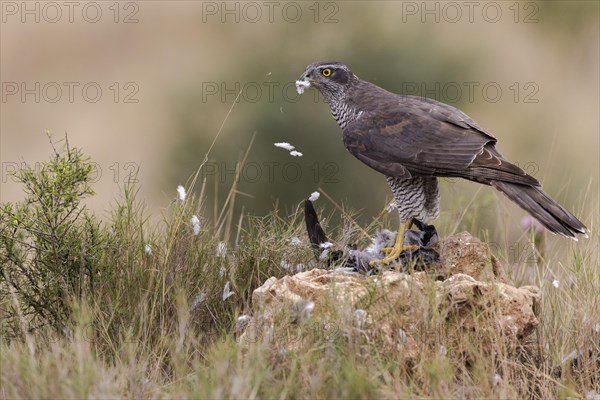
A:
(326, 72)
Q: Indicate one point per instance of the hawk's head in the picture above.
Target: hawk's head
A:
(329, 77)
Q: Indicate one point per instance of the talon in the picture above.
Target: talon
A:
(392, 253)
(387, 250)
(409, 247)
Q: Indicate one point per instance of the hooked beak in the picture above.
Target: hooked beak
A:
(303, 82)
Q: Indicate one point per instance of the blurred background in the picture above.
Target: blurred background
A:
(145, 86)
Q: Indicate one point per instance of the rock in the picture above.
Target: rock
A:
(467, 295)
(465, 254)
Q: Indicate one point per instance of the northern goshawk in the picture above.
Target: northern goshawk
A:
(414, 140)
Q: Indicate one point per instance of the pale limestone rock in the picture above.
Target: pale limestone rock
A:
(466, 293)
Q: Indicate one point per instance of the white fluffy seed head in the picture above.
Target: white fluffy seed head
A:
(181, 193)
(195, 222)
(221, 249)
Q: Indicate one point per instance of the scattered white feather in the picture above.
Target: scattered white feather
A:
(242, 322)
(402, 336)
(442, 350)
(314, 196)
(221, 249)
(227, 293)
(197, 301)
(295, 241)
(301, 85)
(324, 255)
(291, 267)
(288, 147)
(181, 193)
(306, 307)
(284, 145)
(570, 357)
(391, 207)
(359, 317)
(286, 265)
(592, 395)
(148, 249)
(244, 318)
(195, 221)
(383, 238)
(555, 283)
(303, 309)
(222, 271)
(497, 379)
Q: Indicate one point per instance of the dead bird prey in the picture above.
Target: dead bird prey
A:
(414, 140)
(422, 256)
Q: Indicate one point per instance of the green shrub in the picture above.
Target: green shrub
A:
(49, 243)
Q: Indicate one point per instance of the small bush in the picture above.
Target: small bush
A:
(49, 243)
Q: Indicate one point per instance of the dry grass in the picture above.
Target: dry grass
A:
(156, 325)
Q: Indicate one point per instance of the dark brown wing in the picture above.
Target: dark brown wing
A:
(411, 136)
(417, 136)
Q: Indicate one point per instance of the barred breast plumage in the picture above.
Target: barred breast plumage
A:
(416, 197)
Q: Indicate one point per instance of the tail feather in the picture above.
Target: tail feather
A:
(542, 207)
(316, 235)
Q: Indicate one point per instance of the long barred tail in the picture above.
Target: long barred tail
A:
(542, 207)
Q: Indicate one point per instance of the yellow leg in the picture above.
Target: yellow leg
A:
(392, 253)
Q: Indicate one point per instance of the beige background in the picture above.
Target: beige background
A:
(177, 50)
